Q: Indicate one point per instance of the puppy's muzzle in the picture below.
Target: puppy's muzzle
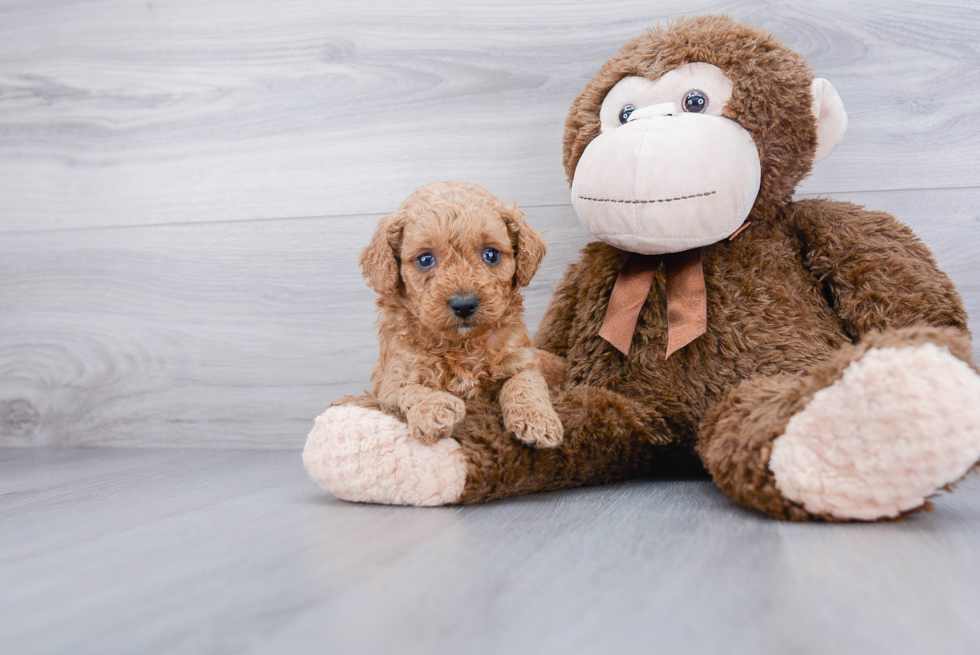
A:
(464, 304)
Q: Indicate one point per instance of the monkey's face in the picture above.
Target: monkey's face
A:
(668, 171)
(692, 128)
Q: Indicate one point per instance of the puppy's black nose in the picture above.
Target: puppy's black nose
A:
(464, 304)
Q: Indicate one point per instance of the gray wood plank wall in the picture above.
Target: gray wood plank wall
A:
(185, 186)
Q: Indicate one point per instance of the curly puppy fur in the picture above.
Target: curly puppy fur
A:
(432, 358)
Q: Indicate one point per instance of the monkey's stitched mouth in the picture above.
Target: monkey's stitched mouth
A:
(644, 202)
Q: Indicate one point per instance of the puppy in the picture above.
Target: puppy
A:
(448, 266)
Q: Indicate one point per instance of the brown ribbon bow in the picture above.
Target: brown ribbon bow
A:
(687, 301)
(687, 298)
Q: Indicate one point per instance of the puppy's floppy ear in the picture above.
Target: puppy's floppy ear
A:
(529, 248)
(381, 258)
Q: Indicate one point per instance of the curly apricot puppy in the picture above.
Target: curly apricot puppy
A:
(448, 265)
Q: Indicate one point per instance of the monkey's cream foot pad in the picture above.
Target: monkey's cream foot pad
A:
(363, 455)
(899, 425)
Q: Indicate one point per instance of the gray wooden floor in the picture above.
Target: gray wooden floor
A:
(219, 551)
(184, 189)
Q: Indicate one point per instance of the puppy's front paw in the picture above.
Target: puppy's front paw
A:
(536, 426)
(435, 416)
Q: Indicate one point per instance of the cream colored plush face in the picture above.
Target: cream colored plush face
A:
(668, 179)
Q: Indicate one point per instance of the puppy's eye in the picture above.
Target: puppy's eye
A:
(624, 114)
(425, 261)
(695, 102)
(491, 256)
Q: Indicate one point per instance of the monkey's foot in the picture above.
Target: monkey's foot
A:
(366, 456)
(899, 425)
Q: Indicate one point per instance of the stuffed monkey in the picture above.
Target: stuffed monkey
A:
(810, 355)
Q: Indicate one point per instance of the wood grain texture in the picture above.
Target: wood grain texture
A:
(233, 333)
(118, 113)
(174, 551)
(239, 333)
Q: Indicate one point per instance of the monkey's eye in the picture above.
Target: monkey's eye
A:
(695, 102)
(491, 256)
(624, 114)
(425, 261)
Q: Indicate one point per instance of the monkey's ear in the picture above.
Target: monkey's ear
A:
(529, 248)
(380, 259)
(828, 109)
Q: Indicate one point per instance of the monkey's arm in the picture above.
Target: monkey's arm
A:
(877, 273)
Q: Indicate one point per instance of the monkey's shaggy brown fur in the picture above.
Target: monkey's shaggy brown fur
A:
(432, 359)
(787, 298)
(807, 289)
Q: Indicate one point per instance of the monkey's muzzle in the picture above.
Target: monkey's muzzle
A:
(667, 181)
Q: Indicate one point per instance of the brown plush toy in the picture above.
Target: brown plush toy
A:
(809, 355)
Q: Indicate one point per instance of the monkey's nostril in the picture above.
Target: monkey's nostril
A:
(464, 304)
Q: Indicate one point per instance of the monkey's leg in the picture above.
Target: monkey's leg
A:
(358, 453)
(869, 434)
